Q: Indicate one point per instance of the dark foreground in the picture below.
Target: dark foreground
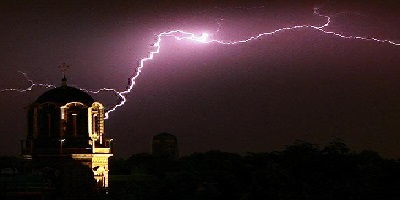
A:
(300, 171)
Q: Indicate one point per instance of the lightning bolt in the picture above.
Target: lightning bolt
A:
(31, 86)
(205, 38)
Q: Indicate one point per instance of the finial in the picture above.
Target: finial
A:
(63, 68)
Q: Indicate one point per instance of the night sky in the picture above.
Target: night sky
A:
(257, 96)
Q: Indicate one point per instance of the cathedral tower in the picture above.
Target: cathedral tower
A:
(67, 122)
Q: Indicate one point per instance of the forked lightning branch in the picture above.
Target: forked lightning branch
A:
(205, 38)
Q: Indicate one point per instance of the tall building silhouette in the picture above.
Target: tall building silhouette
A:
(165, 145)
(66, 122)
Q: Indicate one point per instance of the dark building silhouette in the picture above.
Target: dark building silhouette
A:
(165, 145)
(66, 122)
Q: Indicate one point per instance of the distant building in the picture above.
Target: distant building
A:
(165, 145)
(65, 122)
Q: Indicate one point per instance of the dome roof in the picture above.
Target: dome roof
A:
(164, 135)
(65, 94)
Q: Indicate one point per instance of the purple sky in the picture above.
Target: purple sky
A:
(258, 96)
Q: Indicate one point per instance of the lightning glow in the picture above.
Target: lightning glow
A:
(206, 39)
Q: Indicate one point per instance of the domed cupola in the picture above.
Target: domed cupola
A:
(65, 94)
(66, 121)
(65, 112)
(61, 112)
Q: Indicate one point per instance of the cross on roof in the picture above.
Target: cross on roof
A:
(63, 68)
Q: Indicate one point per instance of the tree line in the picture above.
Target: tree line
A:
(300, 171)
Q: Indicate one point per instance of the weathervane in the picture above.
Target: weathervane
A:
(63, 68)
